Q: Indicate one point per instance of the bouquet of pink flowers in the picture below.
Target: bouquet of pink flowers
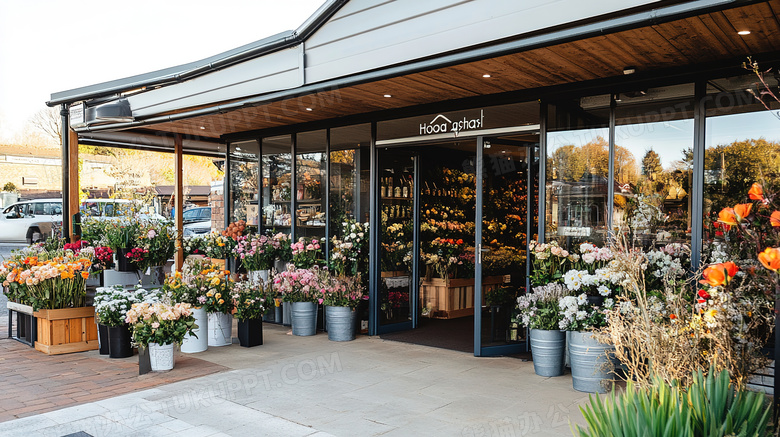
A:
(302, 285)
(306, 252)
(256, 252)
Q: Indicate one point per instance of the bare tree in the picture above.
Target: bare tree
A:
(49, 122)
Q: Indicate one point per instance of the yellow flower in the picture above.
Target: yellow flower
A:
(218, 295)
(221, 301)
(210, 293)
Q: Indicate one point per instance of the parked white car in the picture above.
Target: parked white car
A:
(30, 221)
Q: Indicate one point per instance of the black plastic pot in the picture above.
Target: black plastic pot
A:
(119, 342)
(103, 339)
(122, 263)
(250, 332)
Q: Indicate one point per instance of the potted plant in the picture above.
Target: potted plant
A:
(187, 287)
(539, 311)
(217, 302)
(301, 288)
(591, 359)
(306, 252)
(120, 237)
(158, 326)
(255, 252)
(218, 247)
(155, 244)
(341, 299)
(111, 306)
(249, 298)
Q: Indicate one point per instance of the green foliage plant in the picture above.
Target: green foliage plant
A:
(710, 407)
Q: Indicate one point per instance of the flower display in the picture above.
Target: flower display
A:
(218, 246)
(770, 258)
(156, 238)
(735, 216)
(550, 262)
(104, 258)
(349, 253)
(306, 252)
(139, 256)
(345, 292)
(539, 309)
(112, 303)
(302, 285)
(160, 322)
(48, 280)
(256, 252)
(249, 300)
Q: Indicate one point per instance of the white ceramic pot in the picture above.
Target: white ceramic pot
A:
(193, 344)
(161, 356)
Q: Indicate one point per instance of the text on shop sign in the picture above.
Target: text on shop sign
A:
(441, 124)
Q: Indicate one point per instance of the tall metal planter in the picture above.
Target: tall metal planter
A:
(340, 323)
(220, 329)
(548, 348)
(304, 318)
(198, 341)
(591, 365)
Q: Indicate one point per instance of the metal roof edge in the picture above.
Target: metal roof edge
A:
(188, 71)
(653, 16)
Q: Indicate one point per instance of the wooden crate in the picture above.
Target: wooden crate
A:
(66, 330)
(451, 298)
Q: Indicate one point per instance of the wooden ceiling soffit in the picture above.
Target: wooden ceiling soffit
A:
(706, 38)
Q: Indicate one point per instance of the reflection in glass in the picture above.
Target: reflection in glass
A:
(653, 164)
(577, 171)
(277, 188)
(244, 181)
(742, 143)
(311, 177)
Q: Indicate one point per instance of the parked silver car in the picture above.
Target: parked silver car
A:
(30, 221)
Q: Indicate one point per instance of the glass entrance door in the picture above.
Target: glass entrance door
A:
(507, 183)
(398, 234)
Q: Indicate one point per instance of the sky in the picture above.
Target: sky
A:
(48, 46)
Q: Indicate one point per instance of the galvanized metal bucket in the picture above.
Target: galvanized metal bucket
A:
(304, 318)
(340, 322)
(548, 348)
(592, 368)
(286, 313)
(220, 329)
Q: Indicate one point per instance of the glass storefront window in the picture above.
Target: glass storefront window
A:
(277, 186)
(349, 171)
(653, 164)
(311, 182)
(244, 182)
(742, 144)
(577, 170)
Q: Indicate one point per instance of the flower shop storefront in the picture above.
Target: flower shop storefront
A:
(429, 162)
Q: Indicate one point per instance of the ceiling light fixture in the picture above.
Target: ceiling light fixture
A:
(203, 127)
(309, 109)
(486, 75)
(629, 70)
(388, 95)
(743, 32)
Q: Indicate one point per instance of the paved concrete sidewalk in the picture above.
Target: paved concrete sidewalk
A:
(309, 386)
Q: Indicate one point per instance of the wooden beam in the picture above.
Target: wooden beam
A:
(178, 203)
(73, 182)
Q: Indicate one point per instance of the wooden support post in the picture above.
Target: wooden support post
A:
(178, 193)
(73, 183)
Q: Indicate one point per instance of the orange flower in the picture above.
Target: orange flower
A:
(756, 192)
(719, 274)
(775, 219)
(672, 316)
(85, 274)
(734, 216)
(730, 268)
(770, 258)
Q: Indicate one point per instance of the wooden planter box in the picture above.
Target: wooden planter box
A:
(66, 330)
(451, 298)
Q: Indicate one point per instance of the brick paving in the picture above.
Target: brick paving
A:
(32, 382)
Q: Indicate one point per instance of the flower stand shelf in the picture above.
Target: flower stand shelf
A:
(25, 323)
(452, 298)
(66, 330)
